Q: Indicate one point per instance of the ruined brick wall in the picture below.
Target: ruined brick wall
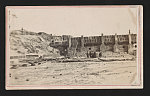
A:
(110, 39)
(133, 38)
(123, 39)
(79, 46)
(94, 43)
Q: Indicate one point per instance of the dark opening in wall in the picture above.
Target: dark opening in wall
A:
(89, 48)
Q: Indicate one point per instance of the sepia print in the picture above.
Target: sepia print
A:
(74, 47)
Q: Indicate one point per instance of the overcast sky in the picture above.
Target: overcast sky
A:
(75, 21)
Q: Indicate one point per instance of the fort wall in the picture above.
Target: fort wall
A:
(81, 46)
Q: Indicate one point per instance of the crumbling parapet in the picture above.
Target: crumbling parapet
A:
(130, 46)
(69, 41)
(102, 46)
(69, 49)
(115, 48)
(82, 49)
(82, 41)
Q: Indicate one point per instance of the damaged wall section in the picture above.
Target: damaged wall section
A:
(96, 46)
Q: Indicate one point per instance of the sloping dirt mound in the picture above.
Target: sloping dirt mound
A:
(22, 43)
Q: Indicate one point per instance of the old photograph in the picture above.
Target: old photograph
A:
(74, 47)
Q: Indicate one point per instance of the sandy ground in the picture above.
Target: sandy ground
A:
(75, 73)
